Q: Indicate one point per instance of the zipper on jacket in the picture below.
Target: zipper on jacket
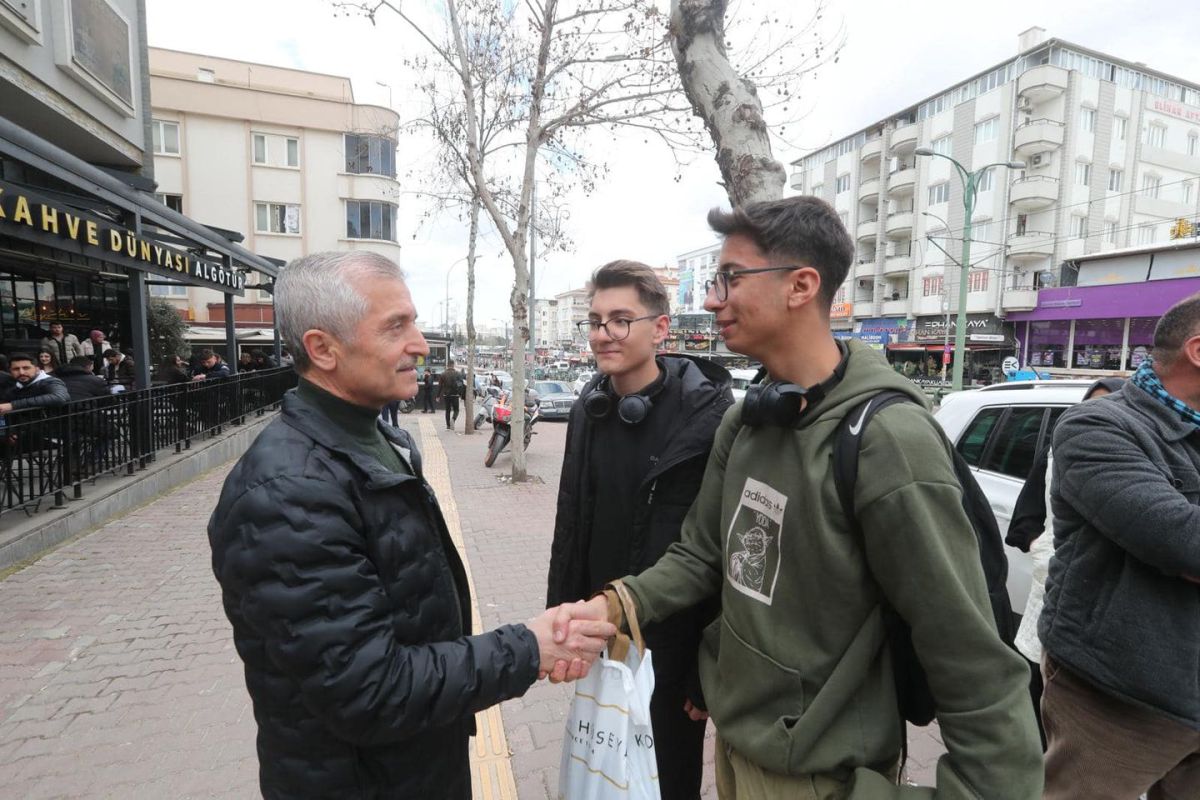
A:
(650, 499)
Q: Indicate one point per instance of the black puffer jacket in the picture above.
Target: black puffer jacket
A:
(664, 497)
(350, 608)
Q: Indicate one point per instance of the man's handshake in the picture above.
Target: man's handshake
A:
(570, 637)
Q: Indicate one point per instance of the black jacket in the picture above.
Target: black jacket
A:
(665, 495)
(123, 373)
(350, 609)
(1120, 611)
(81, 384)
(49, 392)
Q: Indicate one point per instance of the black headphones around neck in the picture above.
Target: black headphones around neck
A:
(785, 405)
(632, 409)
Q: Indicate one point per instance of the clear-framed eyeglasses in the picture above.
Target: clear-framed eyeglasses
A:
(616, 328)
(720, 280)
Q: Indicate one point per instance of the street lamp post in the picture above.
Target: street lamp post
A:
(970, 182)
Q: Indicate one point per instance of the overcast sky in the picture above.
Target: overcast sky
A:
(895, 54)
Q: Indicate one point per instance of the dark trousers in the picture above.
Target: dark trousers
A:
(427, 399)
(678, 741)
(451, 406)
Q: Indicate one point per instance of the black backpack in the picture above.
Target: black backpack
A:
(912, 689)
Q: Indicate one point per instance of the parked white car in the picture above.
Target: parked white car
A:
(742, 378)
(999, 431)
(581, 380)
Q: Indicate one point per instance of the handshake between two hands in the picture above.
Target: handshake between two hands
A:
(571, 637)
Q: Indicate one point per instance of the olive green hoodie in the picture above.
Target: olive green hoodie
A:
(794, 670)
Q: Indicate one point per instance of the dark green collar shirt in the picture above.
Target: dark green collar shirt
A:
(359, 425)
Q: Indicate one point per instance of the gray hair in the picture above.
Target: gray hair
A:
(317, 291)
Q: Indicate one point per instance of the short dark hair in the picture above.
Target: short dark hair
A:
(110, 352)
(80, 361)
(15, 357)
(204, 354)
(617, 274)
(1180, 323)
(796, 230)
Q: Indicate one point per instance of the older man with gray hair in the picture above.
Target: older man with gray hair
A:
(348, 600)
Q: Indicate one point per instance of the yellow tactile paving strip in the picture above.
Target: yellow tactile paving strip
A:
(491, 764)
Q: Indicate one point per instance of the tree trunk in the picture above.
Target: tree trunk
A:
(520, 340)
(469, 400)
(727, 102)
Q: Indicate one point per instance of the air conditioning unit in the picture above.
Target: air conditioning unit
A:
(1037, 159)
(864, 283)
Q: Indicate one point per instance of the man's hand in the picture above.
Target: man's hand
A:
(694, 714)
(568, 657)
(199, 377)
(594, 609)
(5, 408)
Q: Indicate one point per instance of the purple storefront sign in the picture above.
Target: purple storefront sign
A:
(1117, 301)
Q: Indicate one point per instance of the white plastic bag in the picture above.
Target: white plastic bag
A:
(608, 749)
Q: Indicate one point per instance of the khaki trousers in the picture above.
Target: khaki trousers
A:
(741, 779)
(1102, 748)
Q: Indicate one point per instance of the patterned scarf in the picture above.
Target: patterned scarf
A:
(1147, 379)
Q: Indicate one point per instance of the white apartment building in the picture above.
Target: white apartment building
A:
(571, 308)
(1112, 155)
(283, 154)
(545, 322)
(694, 269)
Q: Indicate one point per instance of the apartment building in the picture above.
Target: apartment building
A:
(1112, 158)
(693, 269)
(283, 154)
(571, 308)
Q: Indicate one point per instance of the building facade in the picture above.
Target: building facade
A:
(693, 270)
(1112, 158)
(283, 154)
(571, 308)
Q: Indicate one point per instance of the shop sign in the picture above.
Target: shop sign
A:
(27, 216)
(985, 337)
(933, 329)
(1177, 110)
(841, 310)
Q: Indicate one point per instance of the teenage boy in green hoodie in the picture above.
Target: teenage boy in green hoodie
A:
(795, 671)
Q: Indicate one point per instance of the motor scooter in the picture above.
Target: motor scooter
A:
(491, 397)
(502, 425)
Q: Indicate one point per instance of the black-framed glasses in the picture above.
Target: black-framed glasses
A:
(616, 328)
(720, 281)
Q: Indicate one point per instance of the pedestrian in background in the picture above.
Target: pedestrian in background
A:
(1120, 626)
(65, 346)
(348, 600)
(637, 443)
(452, 386)
(428, 385)
(47, 361)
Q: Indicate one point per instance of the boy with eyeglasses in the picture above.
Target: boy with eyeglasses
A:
(637, 442)
(797, 672)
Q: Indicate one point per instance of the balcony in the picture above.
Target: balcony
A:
(1033, 193)
(868, 228)
(868, 190)
(864, 268)
(899, 224)
(1042, 83)
(1030, 246)
(797, 180)
(872, 149)
(902, 180)
(897, 265)
(894, 308)
(1038, 136)
(905, 136)
(1020, 299)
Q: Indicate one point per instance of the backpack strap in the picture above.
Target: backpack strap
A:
(848, 440)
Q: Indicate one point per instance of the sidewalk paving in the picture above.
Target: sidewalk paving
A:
(118, 676)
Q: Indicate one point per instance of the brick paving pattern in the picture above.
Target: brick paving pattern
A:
(118, 676)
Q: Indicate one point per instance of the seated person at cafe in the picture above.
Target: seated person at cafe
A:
(209, 365)
(33, 387)
(81, 383)
(119, 370)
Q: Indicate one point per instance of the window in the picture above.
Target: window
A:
(1186, 192)
(1110, 232)
(939, 193)
(1048, 343)
(941, 145)
(1083, 173)
(171, 201)
(206, 75)
(1193, 144)
(101, 45)
(171, 290)
(166, 137)
(260, 148)
(1155, 135)
(292, 148)
(25, 11)
(1098, 343)
(370, 155)
(931, 287)
(1114, 180)
(1120, 126)
(975, 438)
(977, 281)
(1079, 227)
(1015, 443)
(1151, 185)
(844, 216)
(1141, 340)
(1145, 234)
(985, 181)
(818, 189)
(986, 131)
(1087, 119)
(370, 220)
(277, 218)
(842, 184)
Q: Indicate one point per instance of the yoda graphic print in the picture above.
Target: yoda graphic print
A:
(752, 547)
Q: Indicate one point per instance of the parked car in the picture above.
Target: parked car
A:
(555, 397)
(999, 431)
(742, 378)
(581, 380)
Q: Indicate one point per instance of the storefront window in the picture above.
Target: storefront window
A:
(1098, 343)
(1048, 343)
(1141, 339)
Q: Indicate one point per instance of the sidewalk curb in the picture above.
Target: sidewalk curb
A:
(491, 761)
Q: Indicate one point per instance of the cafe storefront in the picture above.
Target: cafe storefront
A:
(79, 246)
(928, 355)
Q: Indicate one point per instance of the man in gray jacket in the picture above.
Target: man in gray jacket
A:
(1121, 623)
